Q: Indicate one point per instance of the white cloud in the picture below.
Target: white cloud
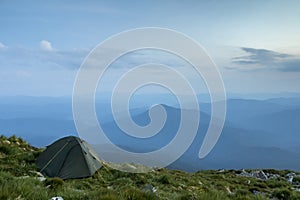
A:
(2, 46)
(46, 45)
(267, 60)
(24, 58)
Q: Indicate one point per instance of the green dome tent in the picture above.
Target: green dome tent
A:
(67, 158)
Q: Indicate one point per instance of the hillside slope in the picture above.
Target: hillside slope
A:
(19, 180)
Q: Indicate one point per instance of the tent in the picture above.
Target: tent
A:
(67, 158)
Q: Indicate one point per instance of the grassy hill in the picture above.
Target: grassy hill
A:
(19, 180)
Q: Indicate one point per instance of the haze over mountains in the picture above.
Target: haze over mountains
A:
(257, 133)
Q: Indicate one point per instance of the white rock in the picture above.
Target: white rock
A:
(6, 142)
(56, 198)
(41, 179)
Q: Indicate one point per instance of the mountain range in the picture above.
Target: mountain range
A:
(257, 133)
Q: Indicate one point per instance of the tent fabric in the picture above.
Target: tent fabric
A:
(67, 158)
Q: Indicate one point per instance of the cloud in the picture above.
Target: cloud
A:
(14, 58)
(140, 57)
(46, 45)
(70, 59)
(2, 46)
(264, 59)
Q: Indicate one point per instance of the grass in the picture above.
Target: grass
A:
(18, 181)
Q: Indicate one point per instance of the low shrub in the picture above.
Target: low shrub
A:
(282, 194)
(54, 183)
(164, 179)
(135, 194)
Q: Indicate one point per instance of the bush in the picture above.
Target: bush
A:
(242, 192)
(260, 184)
(26, 157)
(5, 177)
(109, 197)
(141, 180)
(164, 179)
(186, 197)
(296, 180)
(13, 138)
(134, 194)
(54, 183)
(282, 194)
(295, 196)
(277, 183)
(7, 150)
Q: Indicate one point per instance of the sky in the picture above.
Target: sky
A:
(255, 44)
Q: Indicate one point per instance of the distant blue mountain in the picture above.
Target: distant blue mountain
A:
(38, 131)
(241, 109)
(159, 140)
(257, 133)
(281, 127)
(292, 101)
(236, 148)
